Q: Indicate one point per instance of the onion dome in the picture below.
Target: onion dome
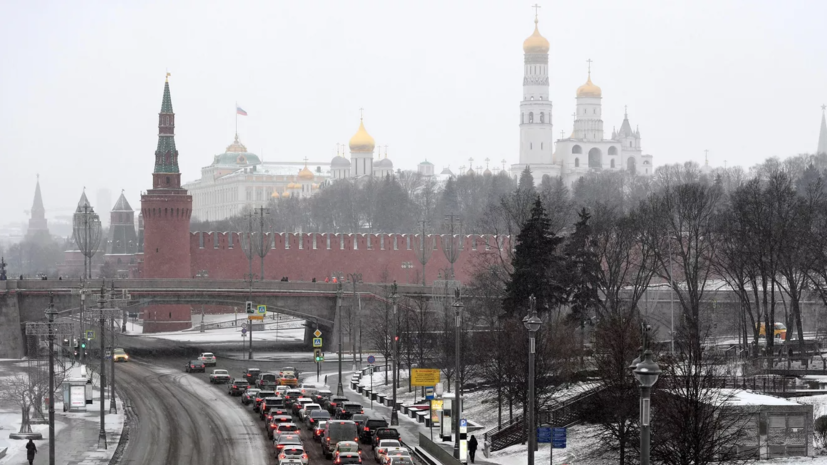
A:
(487, 172)
(383, 163)
(305, 174)
(535, 42)
(589, 89)
(274, 195)
(362, 141)
(285, 195)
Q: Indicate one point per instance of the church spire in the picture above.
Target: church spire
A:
(37, 221)
(822, 135)
(166, 155)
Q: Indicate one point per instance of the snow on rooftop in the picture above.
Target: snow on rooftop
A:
(741, 397)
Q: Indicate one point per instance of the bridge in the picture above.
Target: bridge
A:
(23, 301)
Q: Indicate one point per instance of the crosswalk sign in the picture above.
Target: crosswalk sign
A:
(262, 309)
(90, 334)
(317, 342)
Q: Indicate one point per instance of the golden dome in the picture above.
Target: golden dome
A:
(362, 141)
(285, 195)
(236, 146)
(305, 174)
(589, 89)
(291, 186)
(535, 42)
(274, 195)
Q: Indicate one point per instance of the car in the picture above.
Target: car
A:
(249, 395)
(366, 432)
(321, 396)
(260, 396)
(290, 396)
(345, 458)
(382, 448)
(384, 433)
(335, 431)
(280, 390)
(290, 462)
(208, 358)
(318, 430)
(237, 387)
(120, 355)
(267, 380)
(219, 376)
(251, 374)
(278, 425)
(290, 370)
(288, 380)
(195, 365)
(392, 452)
(346, 446)
(347, 409)
(271, 406)
(285, 440)
(293, 452)
(299, 404)
(401, 460)
(334, 402)
(308, 407)
(359, 419)
(315, 416)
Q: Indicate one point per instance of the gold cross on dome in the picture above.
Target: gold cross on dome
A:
(536, 10)
(589, 61)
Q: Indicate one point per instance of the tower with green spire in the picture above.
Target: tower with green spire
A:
(166, 208)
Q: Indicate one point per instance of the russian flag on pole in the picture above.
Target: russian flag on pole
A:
(240, 111)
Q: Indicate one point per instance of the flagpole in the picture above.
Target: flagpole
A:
(236, 119)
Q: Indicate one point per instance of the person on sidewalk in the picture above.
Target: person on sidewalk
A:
(472, 447)
(31, 449)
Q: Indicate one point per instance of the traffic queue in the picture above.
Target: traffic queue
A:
(337, 426)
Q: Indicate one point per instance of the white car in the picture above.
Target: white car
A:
(383, 446)
(219, 376)
(208, 358)
(280, 390)
(307, 408)
(293, 452)
(392, 452)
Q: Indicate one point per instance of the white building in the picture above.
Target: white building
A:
(237, 179)
(586, 148)
(361, 163)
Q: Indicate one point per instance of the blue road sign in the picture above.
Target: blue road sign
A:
(463, 422)
(429, 392)
(371, 359)
(558, 438)
(543, 434)
(243, 330)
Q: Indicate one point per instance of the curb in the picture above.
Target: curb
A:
(129, 417)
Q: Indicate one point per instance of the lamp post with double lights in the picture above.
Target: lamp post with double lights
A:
(646, 371)
(340, 390)
(532, 323)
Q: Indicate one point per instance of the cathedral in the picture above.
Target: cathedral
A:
(586, 148)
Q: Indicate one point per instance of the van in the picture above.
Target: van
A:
(779, 332)
(335, 431)
(267, 380)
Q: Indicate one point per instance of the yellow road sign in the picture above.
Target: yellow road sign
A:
(255, 317)
(424, 376)
(317, 333)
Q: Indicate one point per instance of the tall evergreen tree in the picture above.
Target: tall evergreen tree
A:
(582, 269)
(538, 269)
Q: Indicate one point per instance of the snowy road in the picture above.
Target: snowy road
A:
(181, 420)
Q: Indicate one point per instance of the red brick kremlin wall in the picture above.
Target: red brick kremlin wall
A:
(304, 256)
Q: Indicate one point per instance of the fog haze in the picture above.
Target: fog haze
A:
(81, 82)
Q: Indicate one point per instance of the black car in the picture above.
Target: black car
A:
(366, 432)
(290, 396)
(271, 403)
(359, 419)
(237, 387)
(348, 409)
(384, 433)
(249, 395)
(334, 403)
(345, 458)
(251, 375)
(195, 365)
(260, 396)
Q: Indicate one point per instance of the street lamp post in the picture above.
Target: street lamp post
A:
(646, 372)
(51, 314)
(532, 324)
(340, 390)
(456, 407)
(112, 407)
(394, 298)
(102, 434)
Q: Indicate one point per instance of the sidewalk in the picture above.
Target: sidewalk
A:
(77, 436)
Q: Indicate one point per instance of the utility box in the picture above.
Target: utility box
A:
(74, 390)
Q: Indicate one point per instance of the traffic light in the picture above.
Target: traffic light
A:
(83, 344)
(318, 356)
(249, 307)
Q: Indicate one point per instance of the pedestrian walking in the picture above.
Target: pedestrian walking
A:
(31, 449)
(472, 447)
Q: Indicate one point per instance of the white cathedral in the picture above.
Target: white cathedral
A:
(586, 148)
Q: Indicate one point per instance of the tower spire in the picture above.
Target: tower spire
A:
(37, 221)
(822, 135)
(166, 155)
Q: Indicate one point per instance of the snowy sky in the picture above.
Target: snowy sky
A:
(81, 82)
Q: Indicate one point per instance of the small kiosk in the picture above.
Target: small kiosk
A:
(75, 386)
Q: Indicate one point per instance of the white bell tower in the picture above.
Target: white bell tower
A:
(536, 130)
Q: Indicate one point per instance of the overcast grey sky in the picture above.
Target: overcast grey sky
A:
(81, 81)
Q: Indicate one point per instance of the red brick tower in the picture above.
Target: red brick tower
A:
(166, 210)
